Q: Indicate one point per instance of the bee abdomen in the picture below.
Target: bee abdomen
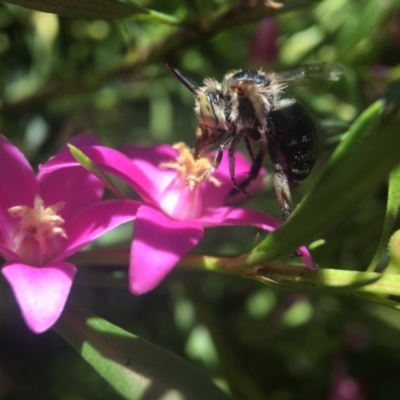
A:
(296, 139)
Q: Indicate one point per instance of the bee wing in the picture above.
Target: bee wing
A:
(309, 75)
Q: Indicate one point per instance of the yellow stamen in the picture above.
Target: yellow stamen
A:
(193, 170)
(39, 223)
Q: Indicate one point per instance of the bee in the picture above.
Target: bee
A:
(254, 106)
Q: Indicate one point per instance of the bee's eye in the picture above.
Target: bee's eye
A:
(212, 97)
(207, 103)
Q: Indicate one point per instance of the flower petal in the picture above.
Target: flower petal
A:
(218, 196)
(148, 159)
(307, 258)
(242, 166)
(95, 220)
(239, 216)
(7, 253)
(112, 161)
(18, 184)
(76, 187)
(242, 216)
(41, 293)
(158, 244)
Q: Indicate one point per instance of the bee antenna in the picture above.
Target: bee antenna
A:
(178, 75)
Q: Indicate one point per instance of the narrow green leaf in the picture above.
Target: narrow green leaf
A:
(394, 250)
(378, 299)
(392, 211)
(96, 9)
(135, 368)
(362, 161)
(88, 164)
(361, 129)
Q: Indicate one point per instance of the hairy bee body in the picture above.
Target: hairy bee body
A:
(297, 142)
(251, 96)
(250, 105)
(294, 150)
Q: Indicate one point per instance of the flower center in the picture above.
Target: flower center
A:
(191, 169)
(183, 197)
(37, 228)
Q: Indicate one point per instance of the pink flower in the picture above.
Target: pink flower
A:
(343, 386)
(264, 46)
(177, 205)
(44, 219)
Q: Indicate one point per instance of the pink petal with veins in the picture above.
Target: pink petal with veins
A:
(111, 161)
(18, 184)
(96, 220)
(158, 245)
(7, 253)
(77, 188)
(239, 216)
(148, 159)
(41, 293)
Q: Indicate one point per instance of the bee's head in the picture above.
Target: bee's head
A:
(210, 105)
(209, 101)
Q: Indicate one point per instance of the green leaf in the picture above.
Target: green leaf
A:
(378, 299)
(394, 250)
(96, 9)
(392, 211)
(361, 162)
(362, 128)
(135, 368)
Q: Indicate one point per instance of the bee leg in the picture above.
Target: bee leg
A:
(249, 148)
(231, 156)
(281, 181)
(218, 157)
(253, 173)
(282, 191)
(256, 165)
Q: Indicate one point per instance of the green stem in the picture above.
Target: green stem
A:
(297, 278)
(281, 276)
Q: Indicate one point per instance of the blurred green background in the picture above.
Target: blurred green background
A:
(60, 76)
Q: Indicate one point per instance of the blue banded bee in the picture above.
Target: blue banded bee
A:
(251, 105)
